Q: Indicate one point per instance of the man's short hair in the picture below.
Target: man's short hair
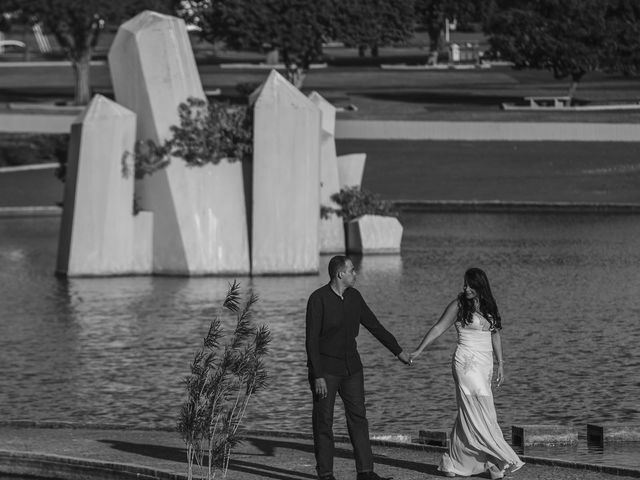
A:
(336, 265)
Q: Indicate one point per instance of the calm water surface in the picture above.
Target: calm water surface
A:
(117, 349)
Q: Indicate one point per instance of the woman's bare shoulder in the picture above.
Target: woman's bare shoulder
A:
(454, 305)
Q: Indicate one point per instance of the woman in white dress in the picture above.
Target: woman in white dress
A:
(477, 444)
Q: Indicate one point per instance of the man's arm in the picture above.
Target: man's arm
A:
(371, 323)
(312, 344)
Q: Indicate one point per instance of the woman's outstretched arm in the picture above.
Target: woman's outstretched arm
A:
(447, 319)
(496, 342)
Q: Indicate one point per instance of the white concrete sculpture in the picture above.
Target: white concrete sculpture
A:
(331, 228)
(200, 223)
(374, 234)
(351, 169)
(286, 179)
(99, 235)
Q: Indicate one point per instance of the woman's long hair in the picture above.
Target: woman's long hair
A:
(477, 279)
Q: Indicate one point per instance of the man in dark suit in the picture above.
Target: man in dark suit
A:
(334, 315)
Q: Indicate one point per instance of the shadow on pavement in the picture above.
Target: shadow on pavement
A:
(160, 452)
(265, 448)
(268, 447)
(178, 455)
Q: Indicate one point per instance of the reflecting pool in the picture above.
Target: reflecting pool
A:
(117, 349)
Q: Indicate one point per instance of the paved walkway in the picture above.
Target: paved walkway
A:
(99, 453)
(59, 120)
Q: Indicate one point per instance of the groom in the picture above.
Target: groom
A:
(334, 314)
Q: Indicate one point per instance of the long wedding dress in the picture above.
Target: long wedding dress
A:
(477, 444)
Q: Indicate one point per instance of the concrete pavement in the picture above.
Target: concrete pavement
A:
(115, 452)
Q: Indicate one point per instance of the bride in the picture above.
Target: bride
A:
(477, 444)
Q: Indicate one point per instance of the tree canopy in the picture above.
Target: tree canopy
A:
(568, 37)
(77, 25)
(623, 43)
(373, 23)
(296, 28)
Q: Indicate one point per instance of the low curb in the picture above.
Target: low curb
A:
(498, 206)
(421, 206)
(44, 211)
(25, 168)
(70, 468)
(47, 63)
(44, 424)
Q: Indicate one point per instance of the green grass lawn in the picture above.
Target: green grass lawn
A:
(575, 172)
(412, 170)
(377, 94)
(350, 79)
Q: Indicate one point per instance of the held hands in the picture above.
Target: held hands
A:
(413, 356)
(404, 358)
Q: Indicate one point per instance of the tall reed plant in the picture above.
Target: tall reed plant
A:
(224, 376)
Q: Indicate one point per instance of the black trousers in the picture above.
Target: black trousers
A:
(351, 390)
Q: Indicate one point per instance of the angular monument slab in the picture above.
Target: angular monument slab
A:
(438, 438)
(527, 435)
(351, 169)
(374, 234)
(331, 228)
(143, 243)
(99, 234)
(200, 223)
(599, 434)
(286, 179)
(328, 120)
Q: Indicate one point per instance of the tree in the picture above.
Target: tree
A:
(296, 28)
(432, 14)
(77, 25)
(373, 23)
(623, 27)
(568, 37)
(5, 23)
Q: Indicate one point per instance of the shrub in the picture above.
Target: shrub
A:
(355, 202)
(32, 148)
(223, 378)
(247, 88)
(207, 133)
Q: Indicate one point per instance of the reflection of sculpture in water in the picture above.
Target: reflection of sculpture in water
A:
(388, 265)
(128, 332)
